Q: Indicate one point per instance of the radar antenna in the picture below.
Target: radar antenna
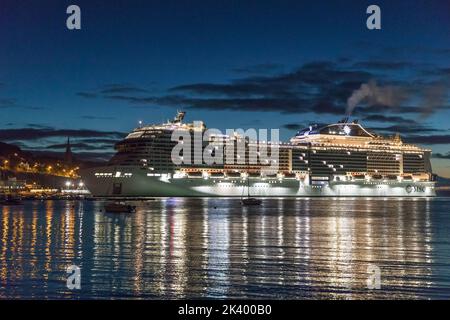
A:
(179, 117)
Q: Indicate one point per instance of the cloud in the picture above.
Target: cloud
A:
(88, 95)
(383, 118)
(434, 96)
(12, 103)
(89, 144)
(36, 134)
(405, 128)
(372, 94)
(111, 89)
(320, 87)
(38, 126)
(84, 156)
(383, 65)
(431, 139)
(109, 141)
(441, 156)
(293, 126)
(80, 146)
(121, 88)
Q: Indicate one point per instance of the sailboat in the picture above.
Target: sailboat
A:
(249, 201)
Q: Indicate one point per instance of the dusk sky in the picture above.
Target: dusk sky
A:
(232, 64)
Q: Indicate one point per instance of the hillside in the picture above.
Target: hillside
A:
(12, 156)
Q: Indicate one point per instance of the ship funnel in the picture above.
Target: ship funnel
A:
(179, 117)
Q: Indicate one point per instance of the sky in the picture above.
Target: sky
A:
(232, 64)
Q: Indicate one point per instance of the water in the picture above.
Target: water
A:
(214, 248)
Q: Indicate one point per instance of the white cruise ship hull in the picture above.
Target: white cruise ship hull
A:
(133, 182)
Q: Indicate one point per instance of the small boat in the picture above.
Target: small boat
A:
(216, 175)
(119, 207)
(254, 175)
(251, 202)
(195, 174)
(233, 174)
(11, 201)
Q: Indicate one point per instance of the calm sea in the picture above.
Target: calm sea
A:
(214, 248)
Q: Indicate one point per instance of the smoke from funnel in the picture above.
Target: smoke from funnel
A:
(390, 96)
(433, 97)
(357, 96)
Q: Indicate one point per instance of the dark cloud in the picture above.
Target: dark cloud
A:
(84, 156)
(87, 95)
(406, 129)
(38, 126)
(121, 88)
(293, 126)
(79, 146)
(36, 134)
(430, 139)
(106, 141)
(441, 156)
(8, 103)
(12, 103)
(321, 87)
(112, 89)
(383, 65)
(383, 118)
(87, 144)
(258, 69)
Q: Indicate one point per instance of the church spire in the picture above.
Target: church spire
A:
(68, 155)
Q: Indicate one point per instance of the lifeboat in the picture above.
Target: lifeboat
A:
(195, 174)
(254, 175)
(234, 174)
(216, 175)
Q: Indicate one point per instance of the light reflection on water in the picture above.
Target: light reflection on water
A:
(214, 248)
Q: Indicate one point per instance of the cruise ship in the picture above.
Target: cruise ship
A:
(341, 159)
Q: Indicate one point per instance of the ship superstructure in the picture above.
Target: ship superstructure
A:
(340, 159)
